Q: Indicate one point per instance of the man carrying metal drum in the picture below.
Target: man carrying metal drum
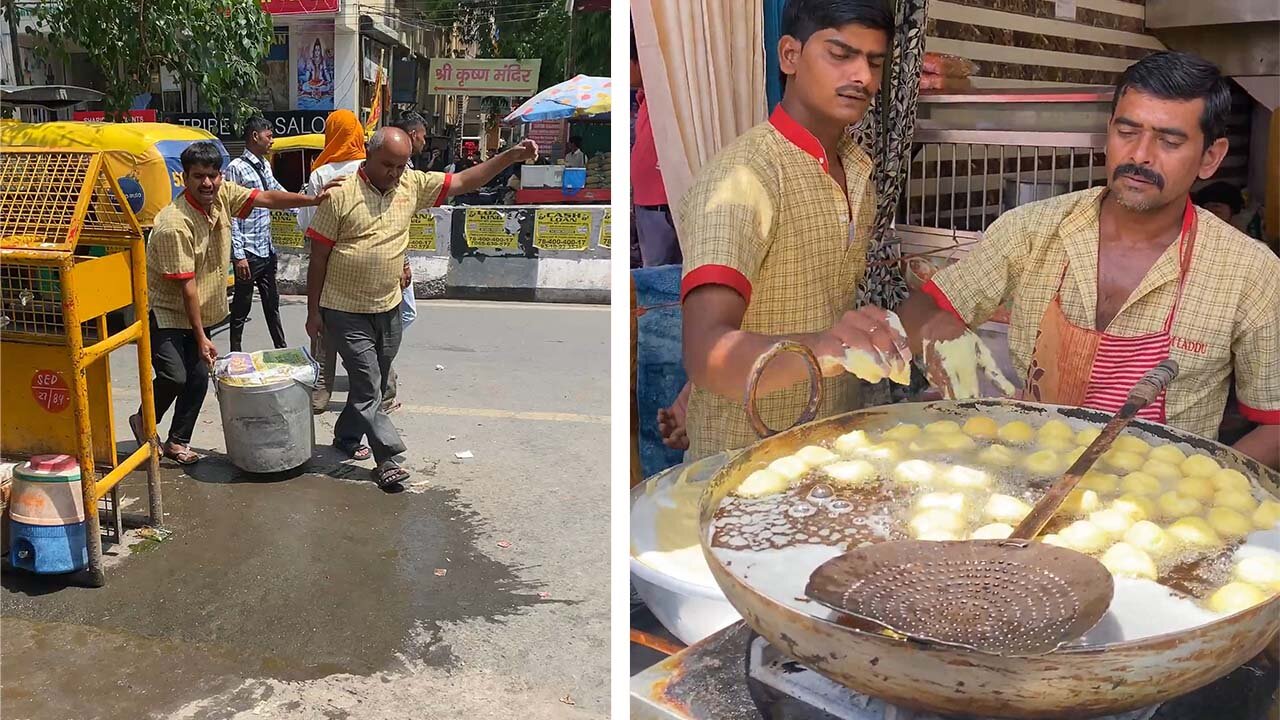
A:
(1107, 282)
(187, 256)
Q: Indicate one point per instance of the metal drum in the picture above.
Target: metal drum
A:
(268, 428)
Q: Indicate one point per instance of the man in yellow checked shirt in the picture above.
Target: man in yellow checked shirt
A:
(1107, 282)
(358, 271)
(775, 233)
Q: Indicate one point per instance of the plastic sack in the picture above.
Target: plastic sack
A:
(948, 65)
(266, 367)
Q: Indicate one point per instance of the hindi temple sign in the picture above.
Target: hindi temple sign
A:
(466, 76)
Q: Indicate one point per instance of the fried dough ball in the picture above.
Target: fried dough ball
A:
(1131, 443)
(1267, 515)
(997, 456)
(762, 483)
(1228, 479)
(1171, 454)
(851, 442)
(789, 467)
(1016, 433)
(967, 478)
(915, 472)
(886, 451)
(1083, 536)
(1125, 560)
(926, 443)
(1150, 538)
(1137, 507)
(942, 427)
(1114, 522)
(1053, 539)
(1241, 502)
(851, 471)
(1080, 502)
(1195, 531)
(1002, 508)
(1086, 436)
(994, 531)
(1140, 483)
(1043, 462)
(814, 455)
(1174, 504)
(957, 441)
(936, 522)
(1123, 460)
(1228, 522)
(982, 427)
(955, 502)
(1199, 488)
(1070, 457)
(1235, 597)
(901, 433)
(1056, 428)
(1166, 473)
(1200, 466)
(1261, 571)
(1100, 482)
(1056, 444)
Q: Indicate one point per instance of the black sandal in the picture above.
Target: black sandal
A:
(359, 451)
(389, 475)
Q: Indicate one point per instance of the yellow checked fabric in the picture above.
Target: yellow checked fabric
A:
(185, 242)
(1228, 320)
(767, 209)
(369, 231)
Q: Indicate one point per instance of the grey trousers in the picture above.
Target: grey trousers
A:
(327, 358)
(657, 232)
(367, 344)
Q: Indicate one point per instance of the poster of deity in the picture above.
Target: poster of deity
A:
(315, 67)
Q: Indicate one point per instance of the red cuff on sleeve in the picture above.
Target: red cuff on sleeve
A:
(317, 237)
(716, 275)
(444, 190)
(932, 290)
(179, 276)
(1262, 417)
(248, 205)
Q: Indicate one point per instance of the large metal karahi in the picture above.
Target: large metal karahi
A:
(1076, 681)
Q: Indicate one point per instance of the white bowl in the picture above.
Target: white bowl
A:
(690, 611)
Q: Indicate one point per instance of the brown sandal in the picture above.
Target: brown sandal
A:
(182, 457)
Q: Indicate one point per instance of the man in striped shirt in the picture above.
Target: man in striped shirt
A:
(252, 252)
(1106, 282)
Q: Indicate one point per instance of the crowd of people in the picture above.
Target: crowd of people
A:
(1102, 283)
(355, 211)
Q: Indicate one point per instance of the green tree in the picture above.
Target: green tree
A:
(218, 45)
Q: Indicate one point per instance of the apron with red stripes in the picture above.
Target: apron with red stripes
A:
(1072, 365)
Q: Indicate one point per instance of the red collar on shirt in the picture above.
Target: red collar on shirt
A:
(798, 135)
(194, 202)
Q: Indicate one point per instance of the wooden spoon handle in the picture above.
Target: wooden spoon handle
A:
(1144, 392)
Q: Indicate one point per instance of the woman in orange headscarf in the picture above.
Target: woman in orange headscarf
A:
(342, 154)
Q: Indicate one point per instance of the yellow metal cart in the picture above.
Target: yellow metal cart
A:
(71, 251)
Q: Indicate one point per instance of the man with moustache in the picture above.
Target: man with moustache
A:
(1105, 283)
(775, 231)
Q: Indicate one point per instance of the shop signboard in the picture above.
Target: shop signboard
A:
(547, 133)
(283, 124)
(299, 7)
(479, 78)
(101, 116)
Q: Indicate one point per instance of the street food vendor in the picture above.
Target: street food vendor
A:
(775, 232)
(1105, 283)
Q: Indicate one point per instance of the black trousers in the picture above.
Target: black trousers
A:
(367, 343)
(181, 376)
(263, 276)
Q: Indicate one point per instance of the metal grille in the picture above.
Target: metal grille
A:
(961, 180)
(39, 192)
(31, 303)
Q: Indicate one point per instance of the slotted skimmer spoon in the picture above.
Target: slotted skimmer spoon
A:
(1013, 597)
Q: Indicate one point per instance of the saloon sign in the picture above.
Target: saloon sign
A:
(496, 78)
(283, 124)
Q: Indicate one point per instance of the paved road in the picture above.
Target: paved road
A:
(320, 596)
